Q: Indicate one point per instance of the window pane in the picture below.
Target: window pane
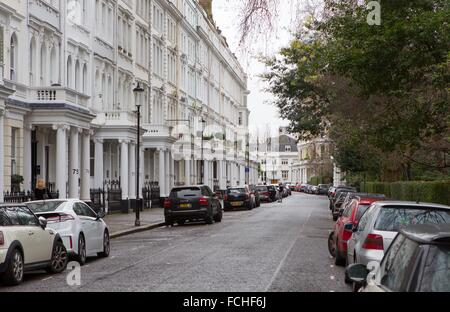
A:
(395, 219)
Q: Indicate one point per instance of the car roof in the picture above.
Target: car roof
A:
(400, 204)
(428, 233)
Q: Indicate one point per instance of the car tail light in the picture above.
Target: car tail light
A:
(63, 217)
(373, 242)
(167, 204)
(203, 201)
(71, 243)
(2, 239)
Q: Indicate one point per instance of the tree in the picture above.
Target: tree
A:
(380, 92)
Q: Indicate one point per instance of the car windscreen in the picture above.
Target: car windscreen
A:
(394, 219)
(262, 188)
(436, 277)
(236, 191)
(186, 192)
(43, 207)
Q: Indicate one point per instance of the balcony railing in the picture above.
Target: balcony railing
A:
(121, 117)
(158, 130)
(58, 94)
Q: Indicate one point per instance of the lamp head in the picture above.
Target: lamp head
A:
(138, 89)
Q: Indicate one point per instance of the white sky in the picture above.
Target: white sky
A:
(225, 13)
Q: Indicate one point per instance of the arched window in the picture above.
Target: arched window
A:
(43, 65)
(54, 77)
(13, 57)
(32, 62)
(77, 76)
(85, 77)
(69, 72)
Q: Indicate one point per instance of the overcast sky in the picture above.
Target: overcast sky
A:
(225, 15)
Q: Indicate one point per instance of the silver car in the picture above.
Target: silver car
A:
(381, 223)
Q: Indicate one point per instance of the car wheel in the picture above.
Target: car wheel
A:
(218, 217)
(209, 218)
(169, 222)
(81, 250)
(331, 245)
(339, 260)
(59, 259)
(14, 271)
(106, 246)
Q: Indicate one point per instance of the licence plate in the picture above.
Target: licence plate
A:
(183, 206)
(237, 204)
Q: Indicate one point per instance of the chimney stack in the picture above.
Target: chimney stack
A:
(207, 6)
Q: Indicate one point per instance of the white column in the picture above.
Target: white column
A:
(27, 174)
(61, 159)
(124, 168)
(141, 171)
(155, 164)
(132, 171)
(2, 155)
(172, 170)
(74, 172)
(162, 173)
(167, 172)
(98, 164)
(187, 172)
(85, 193)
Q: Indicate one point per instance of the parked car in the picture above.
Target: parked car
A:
(273, 192)
(192, 203)
(417, 261)
(380, 224)
(334, 190)
(239, 197)
(335, 195)
(26, 243)
(348, 197)
(331, 191)
(343, 228)
(264, 193)
(322, 189)
(303, 187)
(82, 230)
(257, 195)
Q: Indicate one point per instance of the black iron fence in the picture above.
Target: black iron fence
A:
(151, 194)
(113, 195)
(98, 199)
(23, 197)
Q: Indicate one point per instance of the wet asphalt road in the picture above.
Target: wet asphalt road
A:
(278, 247)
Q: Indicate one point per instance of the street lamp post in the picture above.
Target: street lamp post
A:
(137, 91)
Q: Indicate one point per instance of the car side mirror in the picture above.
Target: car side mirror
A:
(355, 228)
(101, 215)
(357, 273)
(43, 222)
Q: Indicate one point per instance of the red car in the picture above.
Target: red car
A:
(343, 228)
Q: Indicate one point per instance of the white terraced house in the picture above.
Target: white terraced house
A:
(68, 109)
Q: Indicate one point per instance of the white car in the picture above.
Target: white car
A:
(381, 223)
(26, 243)
(82, 230)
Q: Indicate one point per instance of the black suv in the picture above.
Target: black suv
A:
(192, 203)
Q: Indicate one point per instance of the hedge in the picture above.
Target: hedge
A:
(433, 192)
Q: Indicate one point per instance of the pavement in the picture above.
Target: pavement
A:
(124, 224)
(278, 247)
